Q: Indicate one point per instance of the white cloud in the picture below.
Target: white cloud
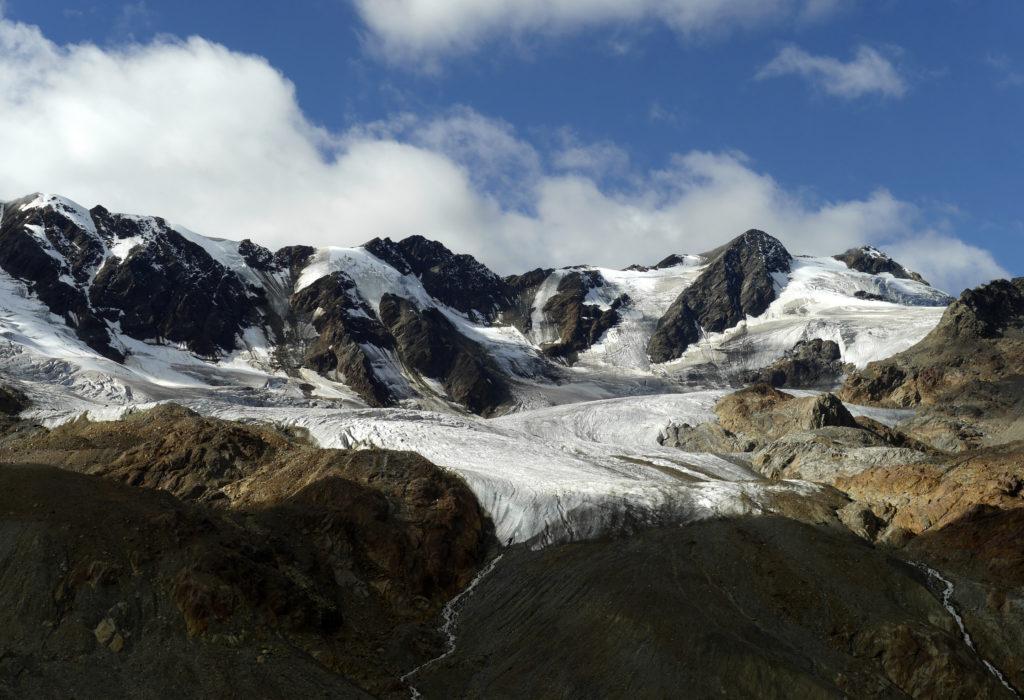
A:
(410, 29)
(867, 73)
(658, 113)
(216, 141)
(1010, 75)
(599, 160)
(946, 261)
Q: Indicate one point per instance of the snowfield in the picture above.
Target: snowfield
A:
(817, 300)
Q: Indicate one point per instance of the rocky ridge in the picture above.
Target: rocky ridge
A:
(966, 375)
(873, 261)
(128, 286)
(737, 283)
(196, 544)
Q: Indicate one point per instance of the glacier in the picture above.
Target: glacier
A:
(576, 456)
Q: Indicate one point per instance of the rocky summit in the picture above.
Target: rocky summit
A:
(388, 471)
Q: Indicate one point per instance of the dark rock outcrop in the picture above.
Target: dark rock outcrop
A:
(256, 256)
(293, 258)
(980, 339)
(868, 296)
(737, 283)
(523, 290)
(428, 343)
(874, 262)
(12, 401)
(166, 288)
(172, 290)
(460, 281)
(44, 247)
(668, 261)
(350, 344)
(810, 363)
(579, 324)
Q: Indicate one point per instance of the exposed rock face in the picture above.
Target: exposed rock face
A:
(459, 281)
(813, 438)
(171, 289)
(293, 258)
(925, 497)
(429, 343)
(259, 564)
(967, 374)
(825, 454)
(12, 401)
(162, 288)
(980, 337)
(523, 290)
(873, 261)
(47, 248)
(737, 283)
(350, 343)
(746, 419)
(811, 363)
(579, 324)
(768, 607)
(768, 414)
(706, 437)
(669, 261)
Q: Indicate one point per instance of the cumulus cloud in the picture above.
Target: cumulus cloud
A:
(216, 141)
(412, 29)
(599, 160)
(952, 264)
(869, 72)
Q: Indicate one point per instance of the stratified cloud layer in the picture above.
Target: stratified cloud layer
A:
(412, 29)
(869, 72)
(215, 140)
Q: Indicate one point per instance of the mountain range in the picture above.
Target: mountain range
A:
(411, 323)
(388, 471)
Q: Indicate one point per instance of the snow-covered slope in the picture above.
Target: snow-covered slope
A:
(386, 345)
(624, 347)
(870, 316)
(232, 322)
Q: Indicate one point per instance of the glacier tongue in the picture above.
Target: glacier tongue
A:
(551, 475)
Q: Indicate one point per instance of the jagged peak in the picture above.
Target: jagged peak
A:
(671, 260)
(775, 255)
(987, 311)
(873, 261)
(417, 254)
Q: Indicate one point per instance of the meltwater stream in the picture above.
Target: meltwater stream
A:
(947, 602)
(449, 618)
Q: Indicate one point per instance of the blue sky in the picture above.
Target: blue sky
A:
(611, 101)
